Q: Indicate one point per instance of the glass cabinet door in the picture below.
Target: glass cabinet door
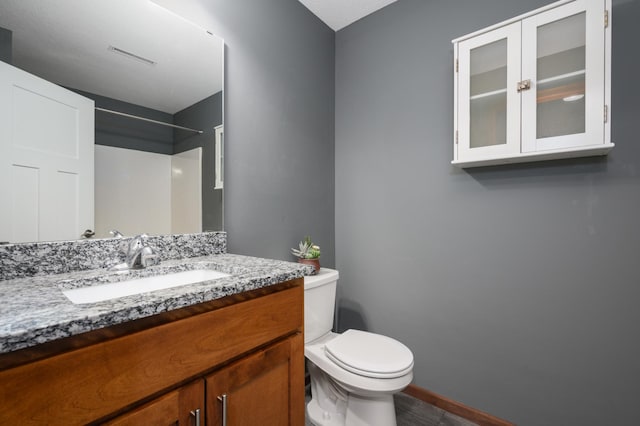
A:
(489, 111)
(559, 61)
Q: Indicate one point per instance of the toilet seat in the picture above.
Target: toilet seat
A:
(370, 355)
(362, 385)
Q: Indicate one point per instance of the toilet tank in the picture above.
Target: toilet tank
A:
(319, 303)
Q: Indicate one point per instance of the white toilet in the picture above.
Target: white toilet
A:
(354, 374)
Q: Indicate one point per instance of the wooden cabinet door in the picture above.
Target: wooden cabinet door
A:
(181, 407)
(261, 389)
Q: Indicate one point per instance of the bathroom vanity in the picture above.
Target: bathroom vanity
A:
(228, 350)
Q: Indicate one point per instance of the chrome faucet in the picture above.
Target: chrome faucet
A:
(139, 254)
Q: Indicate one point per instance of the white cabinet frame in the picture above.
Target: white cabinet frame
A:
(512, 34)
(521, 35)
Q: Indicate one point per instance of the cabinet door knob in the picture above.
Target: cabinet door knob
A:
(524, 85)
(223, 399)
(196, 415)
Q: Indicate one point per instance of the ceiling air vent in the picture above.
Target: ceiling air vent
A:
(132, 55)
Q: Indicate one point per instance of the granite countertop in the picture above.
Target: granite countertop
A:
(34, 310)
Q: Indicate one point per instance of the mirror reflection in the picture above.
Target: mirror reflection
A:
(112, 118)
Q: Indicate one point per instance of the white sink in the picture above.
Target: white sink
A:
(102, 292)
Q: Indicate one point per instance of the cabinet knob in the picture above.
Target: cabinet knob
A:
(524, 85)
(223, 399)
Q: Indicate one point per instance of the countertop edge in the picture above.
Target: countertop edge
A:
(26, 331)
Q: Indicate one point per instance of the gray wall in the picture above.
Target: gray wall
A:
(279, 123)
(205, 115)
(517, 286)
(6, 51)
(122, 132)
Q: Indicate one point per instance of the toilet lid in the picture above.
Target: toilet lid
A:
(369, 354)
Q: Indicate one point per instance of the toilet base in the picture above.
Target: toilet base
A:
(360, 412)
(319, 417)
(332, 405)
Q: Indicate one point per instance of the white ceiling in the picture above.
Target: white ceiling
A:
(337, 14)
(67, 42)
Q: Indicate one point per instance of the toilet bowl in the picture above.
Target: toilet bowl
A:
(354, 374)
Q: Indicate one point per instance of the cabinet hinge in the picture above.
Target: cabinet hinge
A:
(606, 113)
(457, 65)
(606, 18)
(456, 137)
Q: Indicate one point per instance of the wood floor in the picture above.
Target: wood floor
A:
(411, 411)
(414, 412)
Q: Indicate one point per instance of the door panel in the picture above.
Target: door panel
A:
(489, 108)
(48, 129)
(256, 390)
(176, 408)
(565, 107)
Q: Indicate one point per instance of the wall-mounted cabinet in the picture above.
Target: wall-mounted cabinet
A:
(536, 87)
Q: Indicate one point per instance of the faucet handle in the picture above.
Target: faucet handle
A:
(134, 243)
(116, 234)
(141, 237)
(123, 246)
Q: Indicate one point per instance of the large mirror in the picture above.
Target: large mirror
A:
(155, 83)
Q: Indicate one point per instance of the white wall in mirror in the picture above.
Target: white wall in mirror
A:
(186, 190)
(170, 206)
(123, 198)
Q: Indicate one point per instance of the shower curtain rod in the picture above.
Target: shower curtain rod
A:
(135, 117)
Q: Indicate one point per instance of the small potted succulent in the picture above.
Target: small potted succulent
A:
(309, 253)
